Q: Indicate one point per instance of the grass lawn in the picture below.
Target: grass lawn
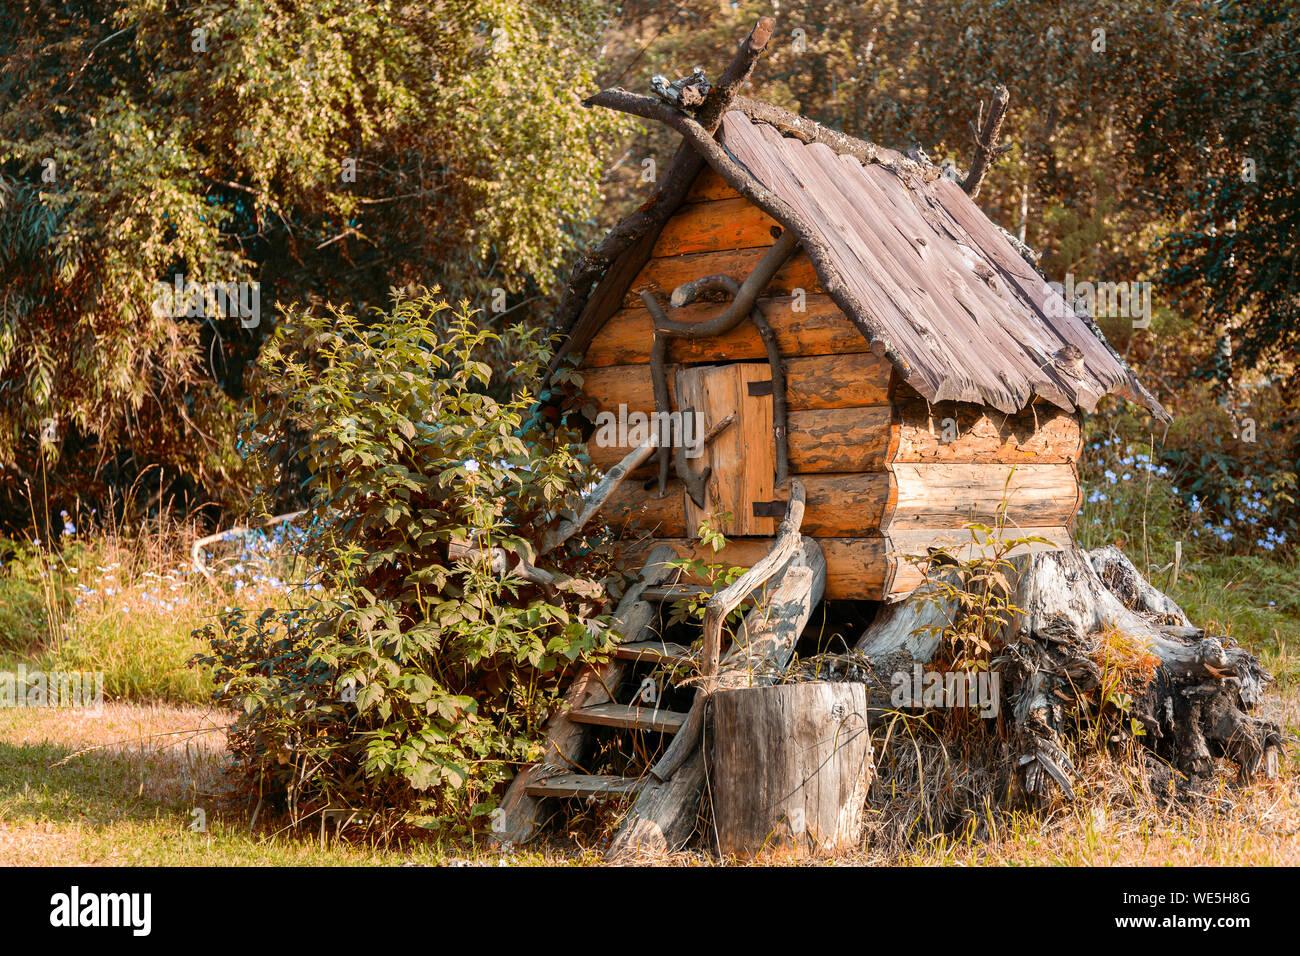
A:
(121, 789)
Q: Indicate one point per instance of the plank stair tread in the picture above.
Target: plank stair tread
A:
(653, 651)
(629, 718)
(582, 785)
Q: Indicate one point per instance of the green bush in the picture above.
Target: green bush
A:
(413, 683)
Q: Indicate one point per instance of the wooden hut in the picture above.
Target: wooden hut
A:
(841, 342)
(925, 371)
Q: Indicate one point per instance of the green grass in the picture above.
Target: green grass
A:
(126, 607)
(131, 801)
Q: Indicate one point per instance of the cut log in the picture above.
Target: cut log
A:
(960, 432)
(825, 441)
(709, 185)
(789, 768)
(816, 381)
(662, 276)
(716, 226)
(948, 495)
(820, 328)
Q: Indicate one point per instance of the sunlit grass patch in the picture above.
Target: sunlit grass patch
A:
(128, 605)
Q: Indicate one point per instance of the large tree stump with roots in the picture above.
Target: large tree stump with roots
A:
(1077, 607)
(790, 768)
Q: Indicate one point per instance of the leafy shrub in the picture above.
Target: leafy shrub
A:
(415, 681)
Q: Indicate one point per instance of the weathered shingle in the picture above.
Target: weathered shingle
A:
(967, 317)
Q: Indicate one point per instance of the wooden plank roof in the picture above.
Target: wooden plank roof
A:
(928, 278)
(927, 271)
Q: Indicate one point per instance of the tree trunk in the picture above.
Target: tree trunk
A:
(1056, 675)
(790, 769)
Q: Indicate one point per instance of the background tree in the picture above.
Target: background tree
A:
(325, 149)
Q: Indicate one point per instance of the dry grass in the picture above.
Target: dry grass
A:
(120, 788)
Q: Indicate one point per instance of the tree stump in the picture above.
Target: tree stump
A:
(790, 768)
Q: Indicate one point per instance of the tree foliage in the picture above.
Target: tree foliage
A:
(326, 150)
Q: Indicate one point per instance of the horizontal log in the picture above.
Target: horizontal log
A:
(815, 381)
(709, 185)
(716, 226)
(841, 440)
(962, 432)
(820, 329)
(836, 506)
(855, 567)
(907, 576)
(947, 495)
(822, 441)
(665, 274)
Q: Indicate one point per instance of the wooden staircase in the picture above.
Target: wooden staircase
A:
(588, 705)
(667, 797)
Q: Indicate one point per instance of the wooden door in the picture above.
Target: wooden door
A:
(743, 458)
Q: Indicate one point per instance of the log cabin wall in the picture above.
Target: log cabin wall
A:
(886, 473)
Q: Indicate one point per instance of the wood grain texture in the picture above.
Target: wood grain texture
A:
(716, 226)
(790, 768)
(941, 288)
(663, 275)
(841, 440)
(960, 432)
(820, 329)
(818, 381)
(709, 185)
(742, 460)
(766, 639)
(825, 441)
(947, 495)
(855, 567)
(837, 506)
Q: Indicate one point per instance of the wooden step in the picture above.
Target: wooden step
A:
(675, 592)
(653, 652)
(629, 718)
(567, 785)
